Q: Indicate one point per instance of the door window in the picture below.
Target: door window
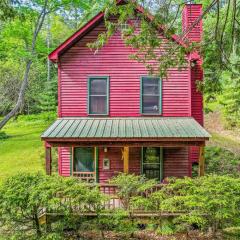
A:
(151, 163)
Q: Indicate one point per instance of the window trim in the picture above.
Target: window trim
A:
(160, 96)
(88, 96)
(96, 162)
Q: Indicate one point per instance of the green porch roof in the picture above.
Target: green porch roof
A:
(125, 128)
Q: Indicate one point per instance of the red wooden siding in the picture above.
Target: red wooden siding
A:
(79, 62)
(196, 104)
(189, 14)
(176, 163)
(116, 162)
(64, 161)
(179, 94)
(135, 160)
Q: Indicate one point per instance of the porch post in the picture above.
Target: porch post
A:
(201, 162)
(48, 159)
(125, 159)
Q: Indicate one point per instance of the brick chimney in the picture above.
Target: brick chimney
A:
(189, 14)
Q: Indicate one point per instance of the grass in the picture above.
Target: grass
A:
(228, 139)
(225, 142)
(21, 149)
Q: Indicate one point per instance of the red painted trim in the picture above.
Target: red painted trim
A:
(54, 55)
(189, 88)
(59, 90)
(59, 162)
(47, 144)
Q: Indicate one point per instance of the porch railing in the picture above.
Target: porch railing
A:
(112, 202)
(89, 177)
(111, 191)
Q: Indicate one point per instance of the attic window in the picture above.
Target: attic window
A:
(124, 26)
(98, 95)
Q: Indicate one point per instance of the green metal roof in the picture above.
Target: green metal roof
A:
(128, 127)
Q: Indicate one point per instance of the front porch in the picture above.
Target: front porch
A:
(96, 149)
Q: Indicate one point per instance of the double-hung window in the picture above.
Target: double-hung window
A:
(151, 95)
(98, 89)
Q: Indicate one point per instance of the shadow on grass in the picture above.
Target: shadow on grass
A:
(4, 136)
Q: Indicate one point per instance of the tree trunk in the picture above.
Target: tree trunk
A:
(21, 95)
(24, 84)
(48, 47)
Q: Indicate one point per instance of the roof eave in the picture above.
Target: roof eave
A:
(54, 55)
(142, 139)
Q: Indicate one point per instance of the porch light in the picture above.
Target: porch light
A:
(105, 149)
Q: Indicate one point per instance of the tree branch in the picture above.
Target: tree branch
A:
(24, 84)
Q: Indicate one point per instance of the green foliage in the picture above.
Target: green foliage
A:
(221, 162)
(130, 186)
(48, 98)
(232, 233)
(18, 20)
(231, 93)
(24, 196)
(221, 60)
(143, 35)
(211, 201)
(3, 135)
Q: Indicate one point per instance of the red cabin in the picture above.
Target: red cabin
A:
(113, 117)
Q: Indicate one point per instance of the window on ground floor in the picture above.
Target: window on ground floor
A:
(98, 89)
(151, 95)
(152, 163)
(83, 164)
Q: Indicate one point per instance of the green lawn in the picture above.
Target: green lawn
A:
(23, 150)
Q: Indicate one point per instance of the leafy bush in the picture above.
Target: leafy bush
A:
(211, 201)
(220, 161)
(130, 186)
(232, 232)
(24, 196)
(130, 189)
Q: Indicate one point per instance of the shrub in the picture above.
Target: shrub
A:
(130, 189)
(130, 186)
(212, 201)
(23, 196)
(220, 161)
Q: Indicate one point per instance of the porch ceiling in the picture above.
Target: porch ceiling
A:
(129, 129)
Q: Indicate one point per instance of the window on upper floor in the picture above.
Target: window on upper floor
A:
(98, 89)
(151, 95)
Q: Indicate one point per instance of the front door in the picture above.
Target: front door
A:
(152, 163)
(83, 163)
